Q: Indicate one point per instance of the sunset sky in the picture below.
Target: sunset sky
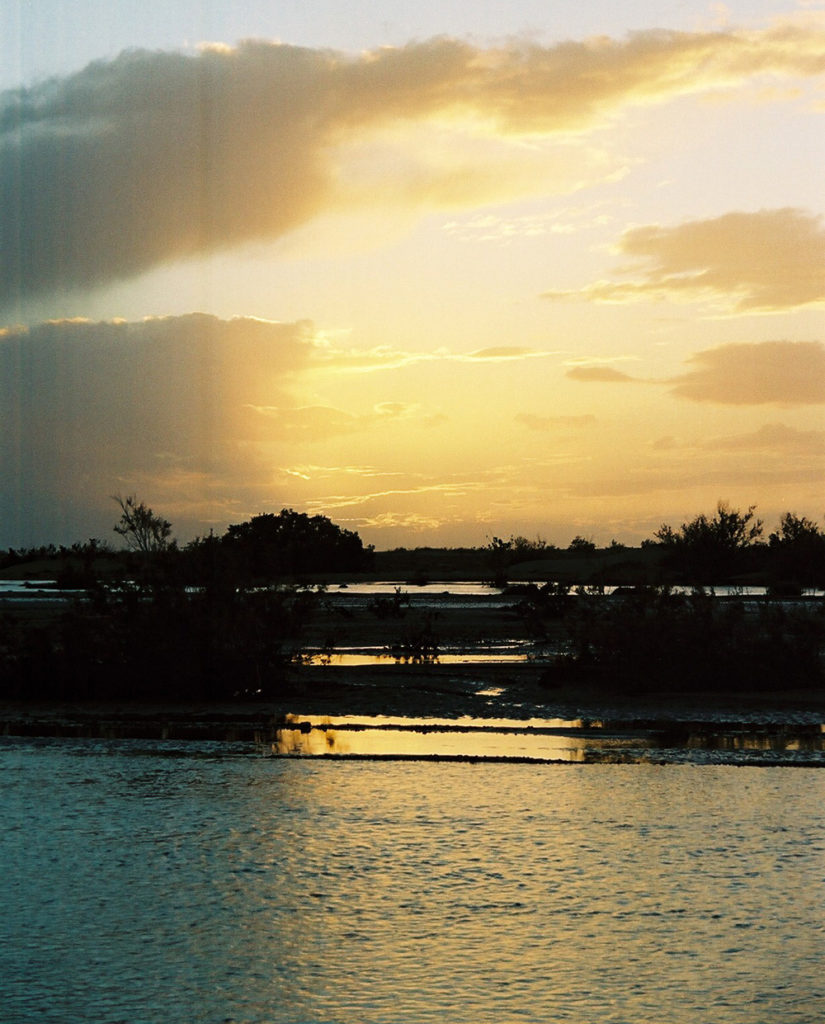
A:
(438, 271)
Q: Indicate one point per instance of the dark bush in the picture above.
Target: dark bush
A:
(655, 639)
(136, 642)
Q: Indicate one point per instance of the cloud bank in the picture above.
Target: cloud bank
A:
(164, 407)
(157, 157)
(773, 439)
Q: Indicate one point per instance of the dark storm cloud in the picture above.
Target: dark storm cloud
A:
(164, 406)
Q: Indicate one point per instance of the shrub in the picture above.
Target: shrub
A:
(653, 638)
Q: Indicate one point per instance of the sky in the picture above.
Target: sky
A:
(441, 272)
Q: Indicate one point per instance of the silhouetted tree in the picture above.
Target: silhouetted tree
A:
(294, 543)
(501, 554)
(581, 545)
(797, 553)
(708, 550)
(141, 529)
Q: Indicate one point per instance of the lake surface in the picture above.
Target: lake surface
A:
(180, 883)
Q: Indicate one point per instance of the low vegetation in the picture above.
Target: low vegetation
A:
(657, 639)
(226, 617)
(221, 618)
(155, 640)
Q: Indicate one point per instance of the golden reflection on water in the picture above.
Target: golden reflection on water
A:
(415, 893)
(361, 659)
(412, 743)
(384, 736)
(541, 740)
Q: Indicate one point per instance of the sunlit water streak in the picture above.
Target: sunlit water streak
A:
(551, 740)
(195, 883)
(511, 652)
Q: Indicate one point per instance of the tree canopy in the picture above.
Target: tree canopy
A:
(709, 549)
(140, 527)
(294, 543)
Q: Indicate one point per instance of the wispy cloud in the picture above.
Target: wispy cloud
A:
(353, 360)
(307, 424)
(501, 354)
(768, 261)
(156, 157)
(409, 522)
(600, 374)
(772, 438)
(493, 227)
(544, 423)
(310, 471)
(448, 488)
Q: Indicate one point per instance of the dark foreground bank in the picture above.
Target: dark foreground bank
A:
(261, 653)
(515, 693)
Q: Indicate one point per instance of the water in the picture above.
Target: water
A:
(508, 652)
(732, 741)
(160, 883)
(452, 588)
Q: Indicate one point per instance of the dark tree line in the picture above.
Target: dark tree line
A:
(731, 543)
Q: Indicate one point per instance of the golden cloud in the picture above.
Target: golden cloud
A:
(767, 261)
(156, 157)
(769, 372)
(744, 373)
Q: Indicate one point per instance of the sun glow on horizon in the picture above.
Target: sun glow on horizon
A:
(544, 283)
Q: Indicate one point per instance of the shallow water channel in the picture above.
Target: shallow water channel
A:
(198, 883)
